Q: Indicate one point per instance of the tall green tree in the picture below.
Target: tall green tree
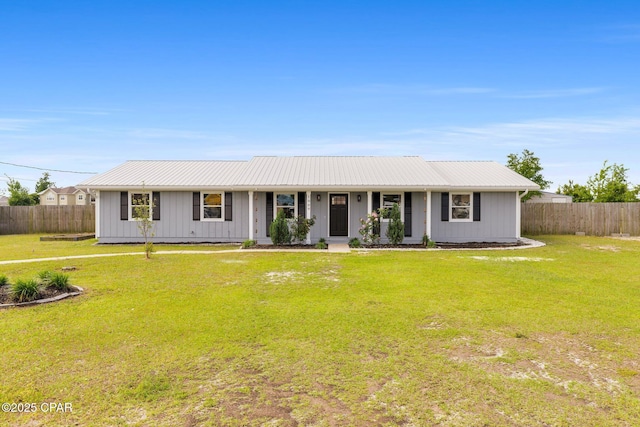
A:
(528, 165)
(18, 195)
(611, 184)
(578, 192)
(44, 182)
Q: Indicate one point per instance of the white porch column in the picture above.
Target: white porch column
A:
(429, 215)
(251, 220)
(97, 208)
(308, 215)
(369, 202)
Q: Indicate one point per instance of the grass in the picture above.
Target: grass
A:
(455, 338)
(29, 246)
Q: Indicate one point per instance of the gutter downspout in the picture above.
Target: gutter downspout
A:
(518, 212)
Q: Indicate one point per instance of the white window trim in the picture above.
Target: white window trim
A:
(150, 195)
(460, 193)
(275, 204)
(400, 205)
(202, 206)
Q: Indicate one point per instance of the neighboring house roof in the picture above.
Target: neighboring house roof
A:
(313, 172)
(549, 197)
(63, 190)
(4, 201)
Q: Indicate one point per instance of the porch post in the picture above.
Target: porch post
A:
(251, 220)
(428, 229)
(369, 202)
(308, 216)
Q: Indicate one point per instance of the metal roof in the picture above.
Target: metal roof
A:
(478, 175)
(168, 174)
(356, 171)
(310, 172)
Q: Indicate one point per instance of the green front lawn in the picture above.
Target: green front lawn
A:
(546, 336)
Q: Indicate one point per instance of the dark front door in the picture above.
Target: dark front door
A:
(339, 215)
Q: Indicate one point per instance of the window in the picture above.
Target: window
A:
(80, 197)
(388, 200)
(139, 204)
(50, 197)
(286, 203)
(213, 206)
(461, 207)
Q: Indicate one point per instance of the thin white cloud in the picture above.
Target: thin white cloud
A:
(16, 125)
(622, 34)
(554, 93)
(423, 90)
(158, 133)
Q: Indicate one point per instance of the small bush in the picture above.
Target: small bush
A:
(60, 281)
(300, 227)
(321, 245)
(25, 290)
(279, 230)
(45, 277)
(4, 280)
(248, 243)
(355, 243)
(395, 230)
(428, 242)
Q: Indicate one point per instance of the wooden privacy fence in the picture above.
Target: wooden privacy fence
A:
(593, 219)
(47, 219)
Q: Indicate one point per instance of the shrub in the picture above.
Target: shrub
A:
(25, 290)
(45, 277)
(370, 228)
(60, 281)
(395, 231)
(355, 243)
(4, 280)
(248, 243)
(300, 227)
(279, 230)
(322, 244)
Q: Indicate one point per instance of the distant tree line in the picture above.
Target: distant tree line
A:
(19, 195)
(610, 184)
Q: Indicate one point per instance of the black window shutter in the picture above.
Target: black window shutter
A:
(156, 205)
(445, 207)
(476, 206)
(196, 206)
(375, 201)
(407, 214)
(269, 213)
(228, 206)
(302, 204)
(124, 206)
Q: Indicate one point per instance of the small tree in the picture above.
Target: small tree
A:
(395, 231)
(142, 208)
(18, 195)
(279, 230)
(578, 192)
(610, 185)
(528, 165)
(300, 227)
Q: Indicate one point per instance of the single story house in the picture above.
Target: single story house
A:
(65, 196)
(231, 201)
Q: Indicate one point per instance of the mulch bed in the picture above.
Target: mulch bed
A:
(7, 298)
(476, 245)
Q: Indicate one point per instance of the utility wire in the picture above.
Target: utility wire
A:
(48, 170)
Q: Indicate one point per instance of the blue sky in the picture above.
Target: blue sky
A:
(88, 85)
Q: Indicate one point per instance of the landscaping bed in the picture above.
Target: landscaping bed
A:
(47, 286)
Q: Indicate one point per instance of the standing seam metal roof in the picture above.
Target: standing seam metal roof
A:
(309, 172)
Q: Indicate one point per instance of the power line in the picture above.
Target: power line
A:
(47, 169)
